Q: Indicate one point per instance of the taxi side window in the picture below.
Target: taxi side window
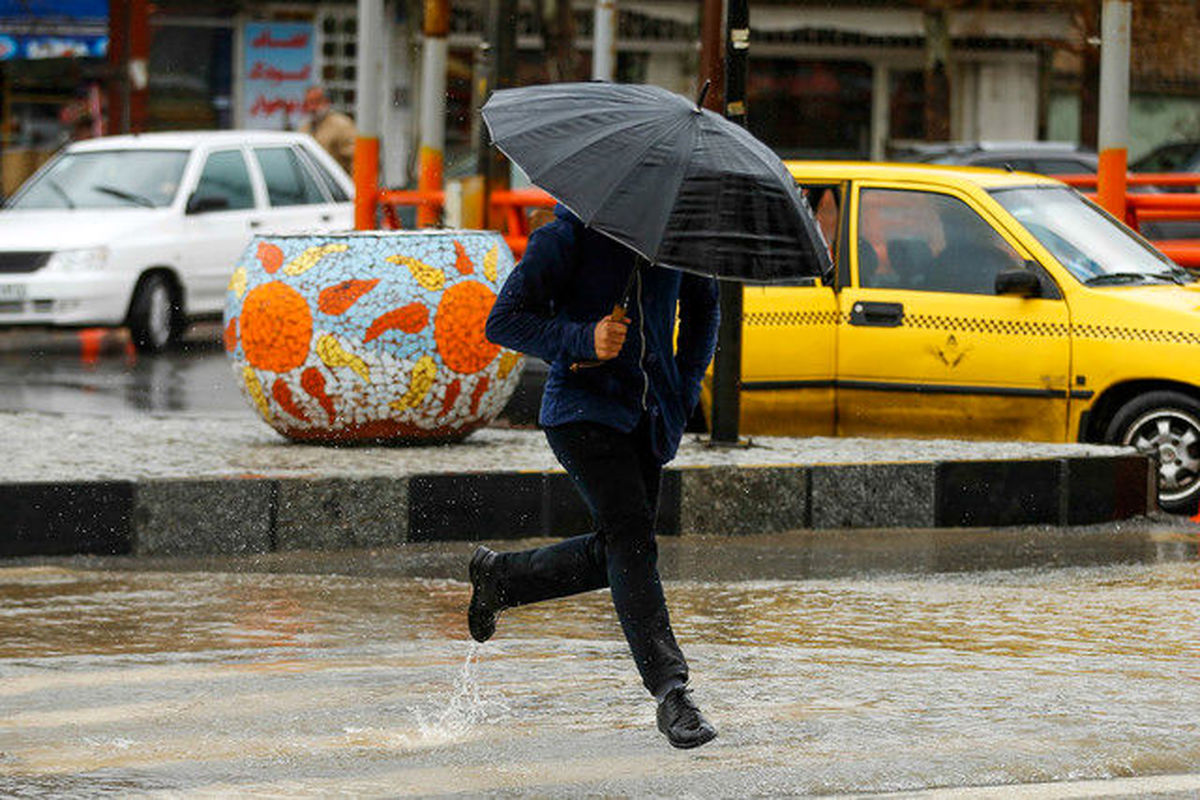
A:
(929, 242)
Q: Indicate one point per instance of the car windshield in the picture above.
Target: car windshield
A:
(105, 179)
(1093, 246)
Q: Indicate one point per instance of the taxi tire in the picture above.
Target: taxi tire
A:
(155, 318)
(1181, 413)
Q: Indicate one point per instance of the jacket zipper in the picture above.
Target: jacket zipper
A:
(642, 333)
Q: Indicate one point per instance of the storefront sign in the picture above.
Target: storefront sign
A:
(278, 69)
(65, 46)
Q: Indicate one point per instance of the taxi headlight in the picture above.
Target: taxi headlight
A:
(87, 259)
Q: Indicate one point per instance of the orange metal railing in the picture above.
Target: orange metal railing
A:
(511, 208)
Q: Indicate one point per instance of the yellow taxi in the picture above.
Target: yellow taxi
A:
(977, 304)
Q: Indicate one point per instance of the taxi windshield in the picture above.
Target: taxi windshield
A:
(1093, 246)
(105, 179)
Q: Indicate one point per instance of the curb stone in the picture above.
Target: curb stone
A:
(255, 514)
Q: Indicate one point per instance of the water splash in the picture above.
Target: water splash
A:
(468, 707)
(458, 718)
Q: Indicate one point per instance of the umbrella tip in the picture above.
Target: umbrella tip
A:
(703, 93)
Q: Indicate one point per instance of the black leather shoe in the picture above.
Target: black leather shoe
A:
(681, 722)
(485, 594)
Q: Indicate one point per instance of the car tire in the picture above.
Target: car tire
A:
(1165, 425)
(155, 318)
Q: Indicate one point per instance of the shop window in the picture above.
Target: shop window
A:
(191, 77)
(811, 109)
(338, 48)
(906, 105)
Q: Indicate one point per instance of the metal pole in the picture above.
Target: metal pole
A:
(138, 66)
(711, 54)
(604, 41)
(502, 72)
(1114, 105)
(368, 111)
(433, 105)
(727, 366)
(118, 66)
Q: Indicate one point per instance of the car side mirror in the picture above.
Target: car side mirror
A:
(203, 203)
(1020, 282)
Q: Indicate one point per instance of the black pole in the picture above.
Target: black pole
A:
(501, 65)
(727, 366)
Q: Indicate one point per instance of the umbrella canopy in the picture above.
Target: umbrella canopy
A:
(680, 185)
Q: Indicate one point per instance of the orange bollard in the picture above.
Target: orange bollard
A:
(90, 340)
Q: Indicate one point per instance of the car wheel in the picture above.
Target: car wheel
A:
(155, 319)
(1165, 425)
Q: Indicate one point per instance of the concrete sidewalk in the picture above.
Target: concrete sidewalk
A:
(229, 484)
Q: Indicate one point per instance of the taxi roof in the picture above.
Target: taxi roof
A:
(949, 175)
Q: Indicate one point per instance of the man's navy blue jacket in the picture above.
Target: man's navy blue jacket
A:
(572, 276)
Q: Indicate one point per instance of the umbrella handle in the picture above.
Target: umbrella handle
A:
(619, 312)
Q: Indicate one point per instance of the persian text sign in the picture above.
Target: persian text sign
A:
(279, 67)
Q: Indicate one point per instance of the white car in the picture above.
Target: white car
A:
(144, 230)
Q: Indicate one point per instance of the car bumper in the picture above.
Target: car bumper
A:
(69, 299)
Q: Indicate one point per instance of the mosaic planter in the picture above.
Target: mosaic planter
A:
(370, 336)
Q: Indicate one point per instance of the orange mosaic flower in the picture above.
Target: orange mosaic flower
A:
(276, 327)
(458, 327)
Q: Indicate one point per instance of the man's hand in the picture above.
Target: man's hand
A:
(609, 335)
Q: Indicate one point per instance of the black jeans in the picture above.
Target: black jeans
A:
(618, 477)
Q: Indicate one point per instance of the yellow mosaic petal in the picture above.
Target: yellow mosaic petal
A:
(508, 361)
(331, 352)
(491, 263)
(420, 384)
(309, 258)
(430, 278)
(254, 387)
(237, 282)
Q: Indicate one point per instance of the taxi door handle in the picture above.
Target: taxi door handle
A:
(877, 315)
(255, 223)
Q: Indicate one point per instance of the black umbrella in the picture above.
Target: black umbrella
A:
(678, 184)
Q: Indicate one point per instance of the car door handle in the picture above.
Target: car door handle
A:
(877, 315)
(255, 223)
(326, 217)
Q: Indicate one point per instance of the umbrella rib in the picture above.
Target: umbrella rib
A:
(668, 131)
(752, 148)
(618, 127)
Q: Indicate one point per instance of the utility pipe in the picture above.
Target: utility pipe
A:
(604, 41)
(1115, 24)
(368, 112)
(433, 106)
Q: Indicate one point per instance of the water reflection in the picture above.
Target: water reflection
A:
(300, 675)
(98, 372)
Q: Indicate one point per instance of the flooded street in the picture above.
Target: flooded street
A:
(350, 674)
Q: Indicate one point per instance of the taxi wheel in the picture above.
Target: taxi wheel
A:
(155, 319)
(1165, 425)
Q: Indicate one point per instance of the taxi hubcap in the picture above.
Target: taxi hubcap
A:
(1174, 437)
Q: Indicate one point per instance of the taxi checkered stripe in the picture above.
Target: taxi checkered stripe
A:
(981, 325)
(986, 325)
(1136, 334)
(776, 318)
